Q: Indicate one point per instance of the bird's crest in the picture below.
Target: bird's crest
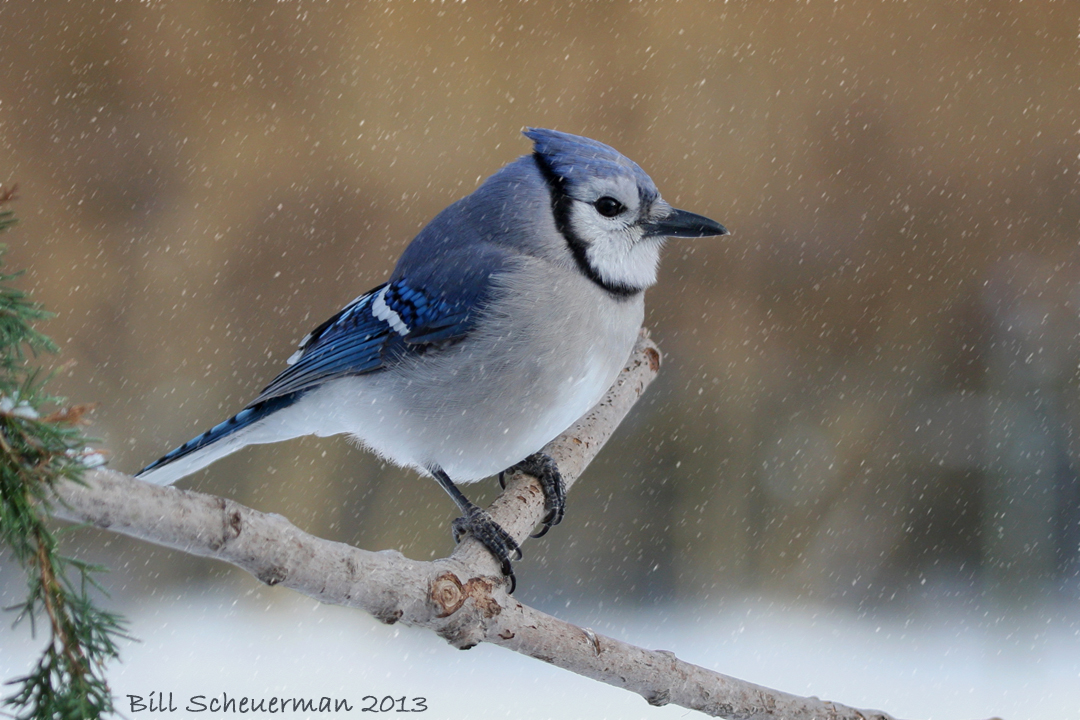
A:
(578, 160)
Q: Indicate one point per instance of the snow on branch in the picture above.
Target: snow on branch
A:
(462, 598)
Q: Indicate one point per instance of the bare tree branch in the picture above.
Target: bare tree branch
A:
(462, 597)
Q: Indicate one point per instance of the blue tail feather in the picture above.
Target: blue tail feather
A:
(245, 418)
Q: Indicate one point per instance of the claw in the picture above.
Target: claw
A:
(547, 521)
(543, 468)
(478, 523)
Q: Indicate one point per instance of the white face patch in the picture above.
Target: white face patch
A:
(616, 247)
(381, 310)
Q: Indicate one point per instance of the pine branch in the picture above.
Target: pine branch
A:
(36, 454)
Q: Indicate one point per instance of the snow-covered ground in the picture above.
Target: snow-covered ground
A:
(271, 643)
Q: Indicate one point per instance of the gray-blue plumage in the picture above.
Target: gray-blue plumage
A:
(506, 319)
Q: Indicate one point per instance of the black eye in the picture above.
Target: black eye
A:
(608, 206)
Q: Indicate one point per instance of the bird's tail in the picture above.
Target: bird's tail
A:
(250, 426)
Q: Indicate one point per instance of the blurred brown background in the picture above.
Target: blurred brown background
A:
(870, 390)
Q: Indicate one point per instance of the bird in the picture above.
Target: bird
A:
(504, 320)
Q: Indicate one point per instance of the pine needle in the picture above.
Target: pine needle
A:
(37, 450)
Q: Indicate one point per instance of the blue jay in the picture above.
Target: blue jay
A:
(506, 319)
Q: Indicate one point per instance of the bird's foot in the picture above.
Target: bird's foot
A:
(478, 523)
(543, 468)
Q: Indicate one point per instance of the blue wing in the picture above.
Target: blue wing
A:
(372, 331)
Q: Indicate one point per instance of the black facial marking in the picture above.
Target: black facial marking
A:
(560, 208)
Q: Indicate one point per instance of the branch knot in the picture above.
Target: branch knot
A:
(448, 594)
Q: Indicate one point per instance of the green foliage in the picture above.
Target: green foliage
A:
(36, 452)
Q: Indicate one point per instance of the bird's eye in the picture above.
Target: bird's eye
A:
(608, 206)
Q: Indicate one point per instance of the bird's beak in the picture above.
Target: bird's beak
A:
(683, 224)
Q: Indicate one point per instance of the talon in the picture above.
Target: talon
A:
(547, 521)
(478, 523)
(541, 532)
(543, 468)
(502, 479)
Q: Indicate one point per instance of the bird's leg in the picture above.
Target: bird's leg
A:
(543, 468)
(478, 523)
